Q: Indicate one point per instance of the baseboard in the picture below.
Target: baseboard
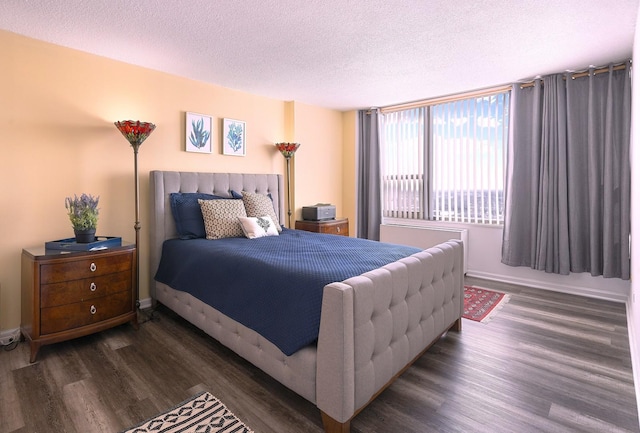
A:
(145, 303)
(570, 290)
(9, 336)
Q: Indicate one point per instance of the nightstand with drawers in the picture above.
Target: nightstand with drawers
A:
(339, 226)
(70, 294)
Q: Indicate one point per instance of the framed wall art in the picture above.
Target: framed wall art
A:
(198, 133)
(234, 136)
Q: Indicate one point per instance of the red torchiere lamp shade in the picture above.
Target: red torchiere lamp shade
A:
(135, 131)
(287, 149)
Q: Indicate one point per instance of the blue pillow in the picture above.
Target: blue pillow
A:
(236, 194)
(187, 214)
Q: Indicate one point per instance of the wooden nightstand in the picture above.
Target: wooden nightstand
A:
(338, 226)
(67, 295)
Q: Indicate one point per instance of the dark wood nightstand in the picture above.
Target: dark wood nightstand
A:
(67, 295)
(338, 226)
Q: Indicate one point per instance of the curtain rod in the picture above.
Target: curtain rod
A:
(480, 93)
(575, 75)
(445, 99)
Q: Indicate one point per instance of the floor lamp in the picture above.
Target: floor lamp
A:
(288, 150)
(136, 132)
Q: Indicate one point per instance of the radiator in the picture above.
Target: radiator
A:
(423, 237)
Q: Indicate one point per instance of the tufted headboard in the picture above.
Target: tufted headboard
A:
(163, 183)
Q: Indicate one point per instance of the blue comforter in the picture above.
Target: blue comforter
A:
(274, 284)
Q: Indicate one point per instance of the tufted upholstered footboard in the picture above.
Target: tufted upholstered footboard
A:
(375, 325)
(372, 327)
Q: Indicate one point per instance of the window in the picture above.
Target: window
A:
(445, 160)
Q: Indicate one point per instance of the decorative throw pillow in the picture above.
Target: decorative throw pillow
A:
(236, 194)
(221, 218)
(258, 205)
(187, 214)
(258, 227)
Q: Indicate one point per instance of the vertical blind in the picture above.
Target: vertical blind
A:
(469, 142)
(403, 160)
(445, 161)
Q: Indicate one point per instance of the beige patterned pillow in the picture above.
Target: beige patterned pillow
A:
(221, 218)
(258, 205)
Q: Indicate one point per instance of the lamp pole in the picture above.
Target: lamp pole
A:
(136, 225)
(288, 150)
(289, 191)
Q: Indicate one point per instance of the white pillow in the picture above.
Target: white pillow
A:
(258, 227)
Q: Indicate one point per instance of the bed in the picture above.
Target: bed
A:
(372, 326)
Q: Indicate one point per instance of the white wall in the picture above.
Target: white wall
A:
(484, 253)
(485, 250)
(633, 306)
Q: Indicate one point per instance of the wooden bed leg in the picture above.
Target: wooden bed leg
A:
(333, 426)
(457, 325)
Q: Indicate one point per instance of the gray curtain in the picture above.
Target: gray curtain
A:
(567, 205)
(369, 213)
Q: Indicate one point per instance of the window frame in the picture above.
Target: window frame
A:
(428, 192)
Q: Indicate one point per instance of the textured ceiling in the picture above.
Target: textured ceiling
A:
(341, 54)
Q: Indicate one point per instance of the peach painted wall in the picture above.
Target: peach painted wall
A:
(349, 168)
(318, 162)
(56, 122)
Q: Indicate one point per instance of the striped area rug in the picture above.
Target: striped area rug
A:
(201, 413)
(481, 304)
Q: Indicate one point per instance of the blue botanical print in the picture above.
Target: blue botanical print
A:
(234, 136)
(199, 136)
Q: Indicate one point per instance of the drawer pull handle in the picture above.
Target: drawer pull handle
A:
(338, 229)
(93, 287)
(93, 309)
(93, 267)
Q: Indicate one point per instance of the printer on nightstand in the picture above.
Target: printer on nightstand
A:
(319, 212)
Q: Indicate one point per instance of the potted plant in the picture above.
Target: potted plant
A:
(83, 213)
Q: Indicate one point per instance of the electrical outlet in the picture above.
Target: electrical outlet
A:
(9, 338)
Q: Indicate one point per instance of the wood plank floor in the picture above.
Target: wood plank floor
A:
(547, 362)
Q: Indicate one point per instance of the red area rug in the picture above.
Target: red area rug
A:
(481, 304)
